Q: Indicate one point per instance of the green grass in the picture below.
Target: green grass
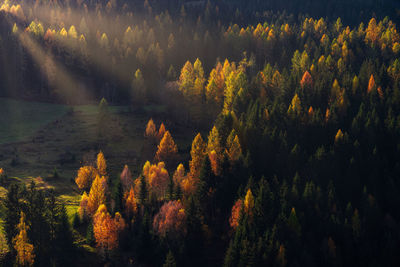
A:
(21, 119)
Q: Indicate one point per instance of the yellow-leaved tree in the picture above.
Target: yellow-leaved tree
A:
(249, 202)
(97, 195)
(198, 153)
(85, 177)
(101, 164)
(233, 148)
(25, 253)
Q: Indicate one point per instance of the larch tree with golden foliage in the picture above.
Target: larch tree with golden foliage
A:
(295, 106)
(97, 195)
(233, 148)
(167, 149)
(186, 79)
(197, 153)
(106, 229)
(130, 203)
(151, 130)
(179, 175)
(85, 177)
(101, 164)
(161, 132)
(249, 202)
(25, 253)
(157, 178)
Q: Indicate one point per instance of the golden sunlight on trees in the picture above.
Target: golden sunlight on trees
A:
(131, 203)
(249, 202)
(179, 175)
(101, 164)
(157, 178)
(161, 132)
(25, 253)
(170, 219)
(339, 136)
(295, 106)
(371, 84)
(85, 177)
(151, 130)
(106, 229)
(197, 153)
(233, 149)
(96, 195)
(167, 150)
(306, 81)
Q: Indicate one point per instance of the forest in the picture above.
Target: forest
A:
(199, 133)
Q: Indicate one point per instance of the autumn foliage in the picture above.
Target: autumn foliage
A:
(371, 84)
(167, 149)
(235, 214)
(130, 203)
(156, 177)
(306, 80)
(85, 177)
(96, 195)
(170, 219)
(198, 152)
(101, 164)
(151, 130)
(106, 229)
(25, 253)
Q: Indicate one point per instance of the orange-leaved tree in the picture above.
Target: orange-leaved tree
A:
(151, 130)
(235, 215)
(131, 207)
(101, 164)
(85, 177)
(106, 229)
(167, 149)
(157, 178)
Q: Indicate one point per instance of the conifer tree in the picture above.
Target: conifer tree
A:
(24, 249)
